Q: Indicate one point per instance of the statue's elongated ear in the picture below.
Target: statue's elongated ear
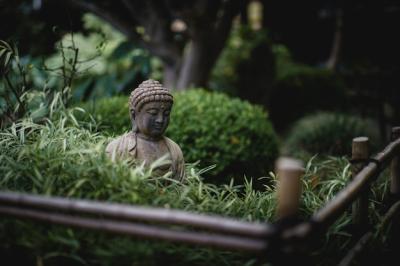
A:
(132, 115)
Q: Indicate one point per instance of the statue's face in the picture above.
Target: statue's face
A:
(152, 120)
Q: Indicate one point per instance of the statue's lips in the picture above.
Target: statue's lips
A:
(158, 127)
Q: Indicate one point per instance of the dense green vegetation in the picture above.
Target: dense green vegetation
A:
(65, 97)
(62, 157)
(228, 132)
(210, 127)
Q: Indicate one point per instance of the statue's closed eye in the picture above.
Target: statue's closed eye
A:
(152, 111)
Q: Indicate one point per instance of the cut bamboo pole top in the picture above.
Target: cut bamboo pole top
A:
(290, 164)
(360, 148)
(289, 172)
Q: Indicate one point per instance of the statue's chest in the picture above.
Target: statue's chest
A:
(150, 151)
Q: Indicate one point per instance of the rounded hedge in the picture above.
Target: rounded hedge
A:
(209, 127)
(328, 134)
(216, 129)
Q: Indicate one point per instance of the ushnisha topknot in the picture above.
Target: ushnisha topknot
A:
(149, 91)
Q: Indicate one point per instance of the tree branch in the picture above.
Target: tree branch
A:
(158, 44)
(333, 59)
(126, 29)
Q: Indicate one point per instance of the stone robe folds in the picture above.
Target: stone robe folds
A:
(125, 145)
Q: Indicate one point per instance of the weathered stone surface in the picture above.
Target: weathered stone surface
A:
(150, 107)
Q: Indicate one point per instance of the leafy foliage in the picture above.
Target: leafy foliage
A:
(13, 102)
(109, 63)
(69, 161)
(328, 133)
(228, 132)
(26, 90)
(112, 114)
(63, 158)
(211, 127)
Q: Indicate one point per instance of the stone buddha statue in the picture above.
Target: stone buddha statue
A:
(150, 106)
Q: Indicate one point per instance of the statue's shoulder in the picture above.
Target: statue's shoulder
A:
(173, 147)
(122, 144)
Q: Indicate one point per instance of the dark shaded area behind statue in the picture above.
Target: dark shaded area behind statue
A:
(368, 64)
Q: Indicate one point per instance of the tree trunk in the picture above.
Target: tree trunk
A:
(333, 60)
(198, 60)
(171, 72)
(195, 68)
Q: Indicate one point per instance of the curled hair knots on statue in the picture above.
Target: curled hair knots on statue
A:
(149, 91)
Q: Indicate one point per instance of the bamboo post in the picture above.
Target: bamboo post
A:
(360, 153)
(289, 187)
(395, 167)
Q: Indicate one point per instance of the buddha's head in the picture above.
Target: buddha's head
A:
(150, 105)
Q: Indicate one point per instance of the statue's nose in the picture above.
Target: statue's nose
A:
(160, 119)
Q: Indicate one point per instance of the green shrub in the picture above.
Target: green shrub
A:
(211, 127)
(228, 132)
(111, 114)
(69, 161)
(328, 133)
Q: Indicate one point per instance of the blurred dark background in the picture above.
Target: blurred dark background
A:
(291, 57)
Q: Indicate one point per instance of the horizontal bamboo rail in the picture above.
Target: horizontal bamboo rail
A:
(356, 250)
(365, 239)
(129, 212)
(390, 214)
(140, 230)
